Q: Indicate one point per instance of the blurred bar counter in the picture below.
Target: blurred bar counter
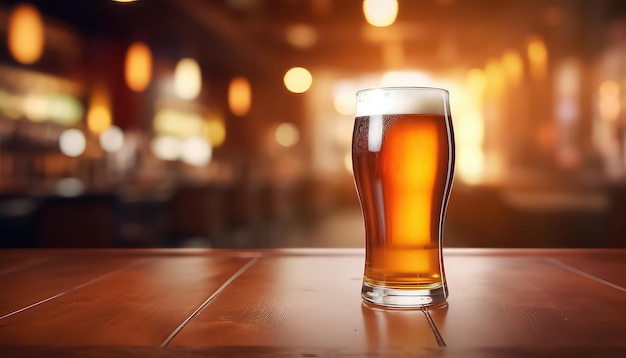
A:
(262, 215)
(213, 215)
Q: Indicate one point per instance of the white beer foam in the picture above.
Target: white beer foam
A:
(401, 100)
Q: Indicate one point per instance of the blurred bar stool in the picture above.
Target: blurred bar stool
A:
(86, 221)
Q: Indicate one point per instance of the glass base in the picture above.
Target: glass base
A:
(403, 298)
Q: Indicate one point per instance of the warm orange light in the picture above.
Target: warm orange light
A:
(380, 13)
(495, 77)
(25, 34)
(609, 101)
(393, 54)
(567, 80)
(347, 162)
(513, 67)
(344, 102)
(608, 89)
(177, 123)
(98, 118)
(215, 131)
(476, 82)
(99, 113)
(471, 163)
(537, 56)
(36, 107)
(298, 80)
(239, 96)
(301, 36)
(138, 68)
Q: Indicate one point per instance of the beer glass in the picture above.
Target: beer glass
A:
(403, 160)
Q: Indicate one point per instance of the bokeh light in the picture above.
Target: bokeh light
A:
(138, 67)
(344, 98)
(495, 76)
(196, 151)
(513, 67)
(537, 56)
(287, 135)
(301, 36)
(173, 122)
(239, 96)
(72, 142)
(187, 79)
(298, 80)
(609, 100)
(70, 187)
(166, 148)
(476, 83)
(25, 34)
(380, 13)
(347, 162)
(65, 110)
(215, 131)
(35, 107)
(405, 78)
(98, 118)
(471, 163)
(112, 139)
(99, 115)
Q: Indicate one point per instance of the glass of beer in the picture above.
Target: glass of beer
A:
(403, 160)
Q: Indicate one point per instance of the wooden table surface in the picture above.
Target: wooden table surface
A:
(305, 303)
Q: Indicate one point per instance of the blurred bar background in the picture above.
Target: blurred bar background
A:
(228, 123)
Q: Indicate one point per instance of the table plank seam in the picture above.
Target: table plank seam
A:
(583, 273)
(208, 301)
(94, 280)
(24, 265)
(433, 327)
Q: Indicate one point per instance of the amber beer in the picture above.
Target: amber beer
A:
(403, 159)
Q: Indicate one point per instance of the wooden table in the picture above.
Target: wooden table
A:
(305, 303)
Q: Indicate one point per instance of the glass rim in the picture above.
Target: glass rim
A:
(402, 88)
